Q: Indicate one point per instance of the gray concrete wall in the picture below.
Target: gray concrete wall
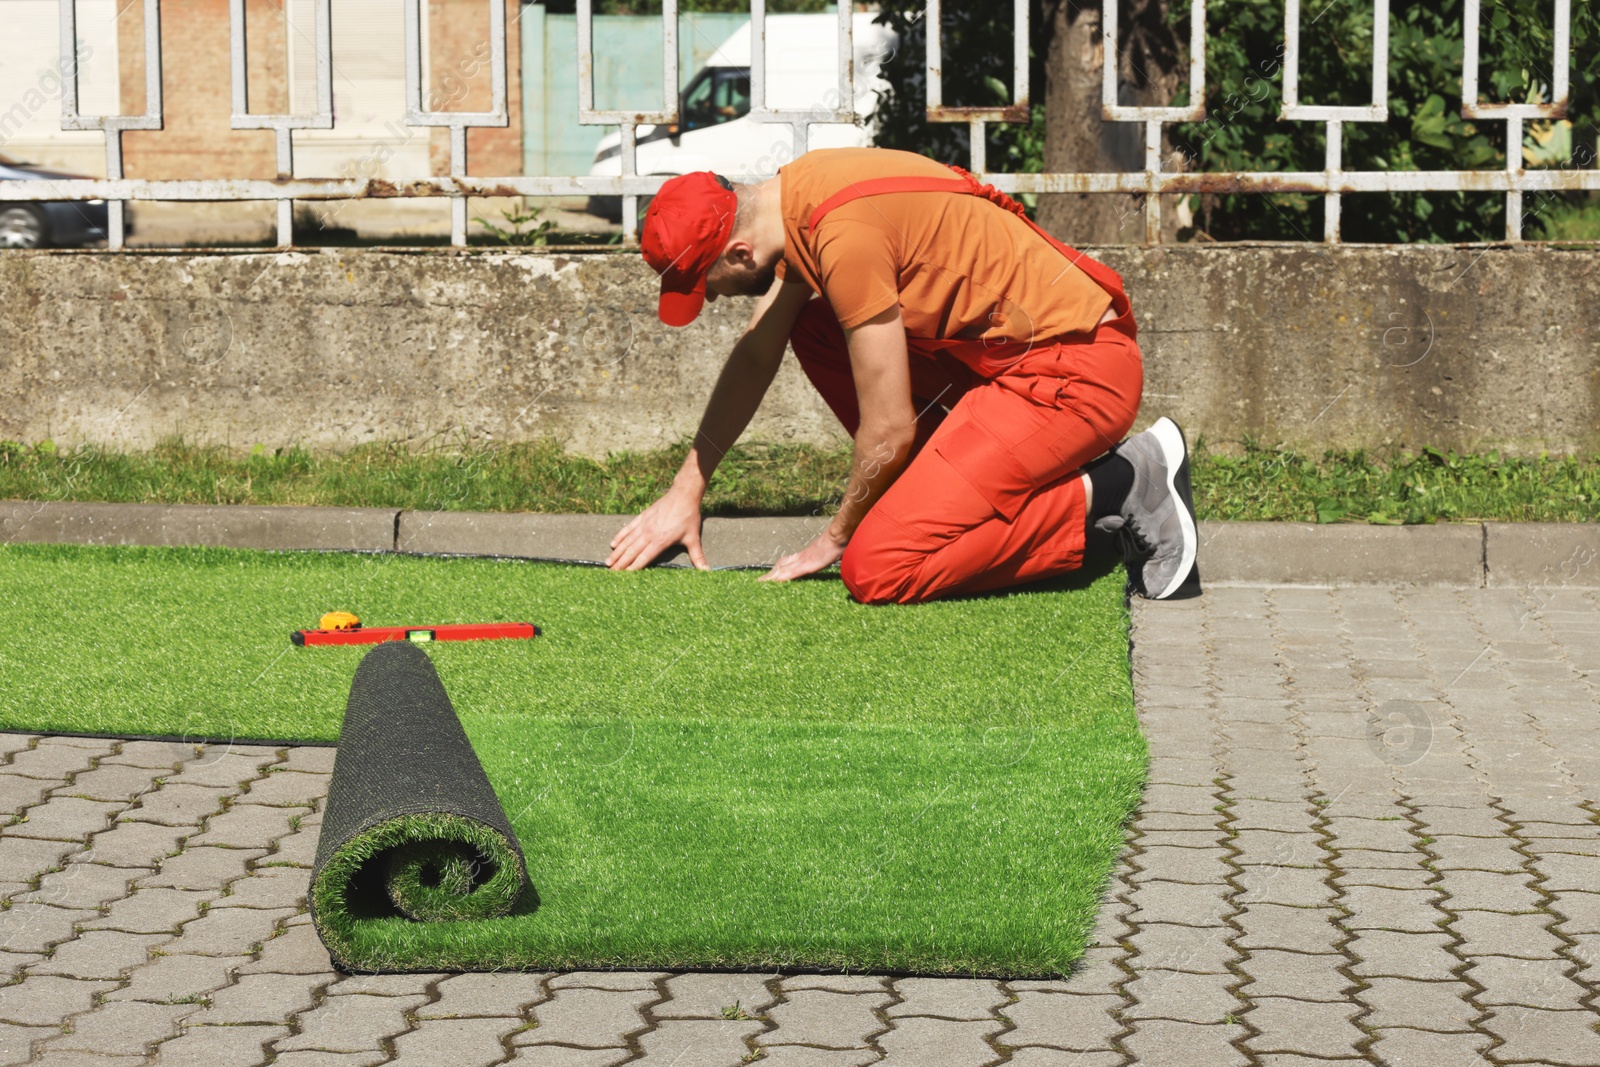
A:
(1473, 347)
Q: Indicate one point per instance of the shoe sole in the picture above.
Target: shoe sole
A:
(1175, 455)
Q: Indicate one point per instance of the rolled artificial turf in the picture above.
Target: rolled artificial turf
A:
(412, 825)
(702, 770)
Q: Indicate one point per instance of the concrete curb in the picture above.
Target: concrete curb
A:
(1471, 555)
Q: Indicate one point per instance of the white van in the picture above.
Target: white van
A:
(716, 132)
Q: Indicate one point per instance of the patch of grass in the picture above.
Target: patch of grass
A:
(703, 770)
(1260, 482)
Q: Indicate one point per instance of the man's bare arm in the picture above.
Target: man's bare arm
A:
(882, 373)
(745, 378)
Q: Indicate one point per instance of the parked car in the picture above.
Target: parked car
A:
(715, 131)
(47, 223)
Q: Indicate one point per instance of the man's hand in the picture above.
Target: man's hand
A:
(672, 520)
(824, 551)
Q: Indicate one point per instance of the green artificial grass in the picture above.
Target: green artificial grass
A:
(703, 770)
(1255, 482)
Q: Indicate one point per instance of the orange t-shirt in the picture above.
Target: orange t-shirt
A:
(960, 267)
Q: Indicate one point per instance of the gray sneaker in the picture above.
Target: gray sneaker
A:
(1156, 527)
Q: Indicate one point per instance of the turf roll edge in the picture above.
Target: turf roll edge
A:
(412, 826)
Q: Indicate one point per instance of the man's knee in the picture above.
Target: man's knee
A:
(877, 570)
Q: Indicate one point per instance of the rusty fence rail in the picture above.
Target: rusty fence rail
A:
(1155, 179)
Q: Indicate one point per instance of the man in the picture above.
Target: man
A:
(986, 372)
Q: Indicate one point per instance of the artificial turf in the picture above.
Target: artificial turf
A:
(703, 770)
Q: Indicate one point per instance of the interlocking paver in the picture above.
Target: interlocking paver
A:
(52, 760)
(135, 844)
(1295, 974)
(173, 979)
(708, 996)
(589, 1018)
(262, 998)
(1191, 1044)
(17, 793)
(35, 927)
(1532, 1035)
(286, 789)
(801, 1056)
(229, 931)
(353, 1023)
(85, 885)
(698, 1042)
(472, 995)
(247, 825)
(220, 1046)
(313, 759)
(825, 1018)
(45, 1000)
(163, 756)
(1381, 908)
(1280, 926)
(21, 858)
(102, 954)
(226, 766)
(1064, 1020)
(1493, 934)
(151, 911)
(1407, 1002)
(1195, 998)
(16, 1042)
(318, 1058)
(924, 1042)
(947, 998)
(1530, 983)
(1488, 891)
(124, 1028)
(177, 804)
(296, 950)
(458, 1042)
(1178, 947)
(203, 867)
(558, 1056)
(1419, 1048)
(112, 781)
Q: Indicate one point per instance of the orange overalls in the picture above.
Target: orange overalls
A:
(993, 495)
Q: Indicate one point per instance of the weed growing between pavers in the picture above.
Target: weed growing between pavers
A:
(703, 770)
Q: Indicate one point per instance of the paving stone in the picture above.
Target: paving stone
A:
(1295, 974)
(1279, 849)
(313, 759)
(384, 985)
(1406, 1002)
(827, 1019)
(47, 1000)
(801, 1056)
(1491, 934)
(286, 789)
(53, 761)
(11, 741)
(924, 1042)
(113, 781)
(1378, 908)
(221, 1046)
(205, 867)
(556, 1056)
(1388, 877)
(125, 1028)
(18, 792)
(1191, 1044)
(297, 950)
(699, 1042)
(1468, 822)
(176, 804)
(1417, 1048)
(21, 858)
(1303, 1027)
(102, 954)
(249, 826)
(1563, 871)
(463, 1042)
(226, 767)
(838, 983)
(1178, 902)
(1196, 998)
(1535, 1036)
(85, 885)
(590, 1018)
(1177, 947)
(1296, 886)
(1579, 912)
(262, 998)
(1064, 1020)
(1530, 983)
(35, 927)
(353, 1023)
(173, 979)
(134, 844)
(705, 996)
(1477, 853)
(14, 963)
(151, 911)
(1380, 835)
(16, 1042)
(1278, 926)
(1402, 955)
(1487, 890)
(946, 998)
(296, 849)
(155, 755)
(318, 1058)
(1200, 866)
(229, 931)
(475, 995)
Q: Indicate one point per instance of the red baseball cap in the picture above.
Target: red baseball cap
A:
(685, 229)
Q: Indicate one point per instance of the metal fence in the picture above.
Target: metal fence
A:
(1331, 182)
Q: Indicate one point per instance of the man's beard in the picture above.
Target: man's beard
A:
(758, 283)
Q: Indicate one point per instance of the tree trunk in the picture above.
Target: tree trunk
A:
(1077, 140)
